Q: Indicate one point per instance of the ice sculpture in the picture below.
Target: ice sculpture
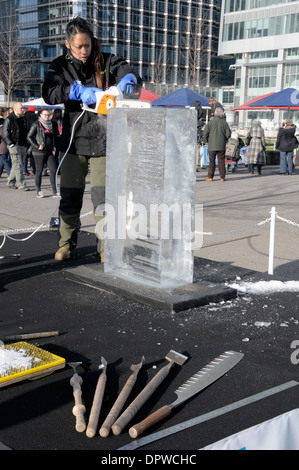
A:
(150, 195)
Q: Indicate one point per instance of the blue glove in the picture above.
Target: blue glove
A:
(129, 80)
(83, 93)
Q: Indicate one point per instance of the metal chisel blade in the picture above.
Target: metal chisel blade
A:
(207, 375)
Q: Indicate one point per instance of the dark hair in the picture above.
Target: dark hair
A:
(80, 25)
(57, 114)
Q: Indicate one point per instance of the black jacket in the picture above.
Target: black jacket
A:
(90, 131)
(286, 140)
(36, 137)
(30, 118)
(11, 130)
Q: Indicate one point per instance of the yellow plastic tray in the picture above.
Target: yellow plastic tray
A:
(43, 363)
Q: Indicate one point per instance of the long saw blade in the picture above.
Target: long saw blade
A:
(202, 379)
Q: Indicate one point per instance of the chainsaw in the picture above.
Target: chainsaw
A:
(115, 98)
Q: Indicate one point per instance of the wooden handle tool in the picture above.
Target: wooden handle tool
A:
(43, 334)
(152, 419)
(97, 401)
(136, 404)
(79, 409)
(121, 400)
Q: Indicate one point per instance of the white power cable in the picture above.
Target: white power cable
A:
(56, 185)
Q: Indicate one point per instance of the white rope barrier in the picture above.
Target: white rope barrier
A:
(236, 231)
(271, 219)
(5, 233)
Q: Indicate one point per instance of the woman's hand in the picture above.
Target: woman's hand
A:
(41, 147)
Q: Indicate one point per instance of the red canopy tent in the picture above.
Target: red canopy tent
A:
(147, 95)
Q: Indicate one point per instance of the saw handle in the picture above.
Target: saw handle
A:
(136, 404)
(118, 405)
(96, 406)
(136, 91)
(152, 419)
(79, 409)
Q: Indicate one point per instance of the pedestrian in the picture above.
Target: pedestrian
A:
(57, 120)
(30, 117)
(216, 134)
(286, 142)
(200, 124)
(214, 104)
(236, 141)
(42, 141)
(74, 78)
(5, 161)
(15, 136)
(256, 143)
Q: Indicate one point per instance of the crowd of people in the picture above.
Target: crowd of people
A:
(29, 138)
(217, 134)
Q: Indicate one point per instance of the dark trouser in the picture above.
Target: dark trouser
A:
(221, 163)
(29, 158)
(251, 168)
(74, 169)
(5, 162)
(40, 160)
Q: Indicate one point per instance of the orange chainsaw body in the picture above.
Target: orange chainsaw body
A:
(107, 102)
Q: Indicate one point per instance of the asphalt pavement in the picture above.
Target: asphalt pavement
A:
(93, 323)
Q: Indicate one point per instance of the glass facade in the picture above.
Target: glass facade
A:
(263, 38)
(171, 43)
(240, 5)
(262, 27)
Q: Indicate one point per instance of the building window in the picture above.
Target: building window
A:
(228, 96)
(240, 5)
(262, 77)
(264, 27)
(292, 76)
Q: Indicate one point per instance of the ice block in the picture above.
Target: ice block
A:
(150, 195)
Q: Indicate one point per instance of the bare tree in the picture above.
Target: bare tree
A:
(160, 69)
(198, 49)
(14, 64)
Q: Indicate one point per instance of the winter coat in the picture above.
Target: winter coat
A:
(216, 134)
(3, 145)
(256, 148)
(30, 118)
(37, 136)
(286, 140)
(89, 137)
(15, 130)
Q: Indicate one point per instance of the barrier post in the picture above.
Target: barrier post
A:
(271, 243)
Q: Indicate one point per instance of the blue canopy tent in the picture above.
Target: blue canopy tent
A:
(287, 99)
(184, 97)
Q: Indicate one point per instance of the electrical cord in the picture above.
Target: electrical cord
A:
(56, 185)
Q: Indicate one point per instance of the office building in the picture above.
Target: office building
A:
(263, 38)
